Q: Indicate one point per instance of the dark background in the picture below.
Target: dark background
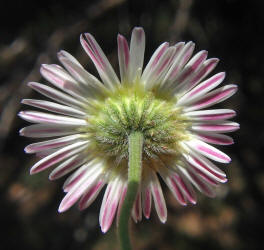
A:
(31, 34)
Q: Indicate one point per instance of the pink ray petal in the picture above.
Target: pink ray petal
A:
(86, 80)
(172, 184)
(47, 130)
(89, 169)
(137, 209)
(190, 68)
(56, 95)
(159, 70)
(137, 51)
(146, 201)
(198, 166)
(123, 57)
(58, 156)
(110, 207)
(158, 197)
(208, 151)
(202, 88)
(160, 51)
(211, 114)
(45, 118)
(180, 60)
(62, 80)
(54, 107)
(75, 192)
(213, 138)
(100, 61)
(221, 127)
(201, 162)
(67, 166)
(212, 98)
(203, 71)
(185, 187)
(198, 182)
(50, 144)
(90, 194)
(207, 178)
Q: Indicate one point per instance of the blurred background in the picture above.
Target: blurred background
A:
(32, 34)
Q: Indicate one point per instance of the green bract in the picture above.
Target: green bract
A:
(132, 108)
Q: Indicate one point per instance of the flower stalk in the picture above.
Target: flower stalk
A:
(135, 144)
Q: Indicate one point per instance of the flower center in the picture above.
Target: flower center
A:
(131, 108)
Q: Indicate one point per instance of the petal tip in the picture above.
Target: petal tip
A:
(22, 132)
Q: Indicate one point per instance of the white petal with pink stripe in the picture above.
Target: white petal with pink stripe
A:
(174, 82)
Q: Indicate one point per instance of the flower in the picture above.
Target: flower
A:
(167, 102)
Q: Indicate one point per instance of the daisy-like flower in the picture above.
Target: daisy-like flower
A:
(167, 102)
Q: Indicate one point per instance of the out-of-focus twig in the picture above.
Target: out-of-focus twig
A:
(181, 19)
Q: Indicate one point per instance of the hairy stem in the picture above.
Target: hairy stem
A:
(135, 142)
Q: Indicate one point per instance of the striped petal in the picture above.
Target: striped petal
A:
(88, 81)
(123, 58)
(208, 151)
(172, 184)
(51, 144)
(213, 138)
(87, 169)
(76, 191)
(179, 61)
(158, 197)
(137, 51)
(58, 156)
(184, 186)
(55, 94)
(199, 166)
(67, 166)
(47, 130)
(109, 207)
(221, 127)
(197, 76)
(211, 115)
(198, 182)
(160, 51)
(212, 98)
(137, 209)
(62, 80)
(45, 118)
(90, 194)
(190, 69)
(202, 89)
(54, 107)
(100, 61)
(156, 73)
(146, 200)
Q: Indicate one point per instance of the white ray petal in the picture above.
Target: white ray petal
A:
(137, 51)
(100, 61)
(50, 144)
(55, 94)
(58, 156)
(45, 118)
(123, 58)
(211, 114)
(158, 197)
(54, 107)
(68, 166)
(208, 151)
(48, 130)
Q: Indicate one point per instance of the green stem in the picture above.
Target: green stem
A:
(135, 143)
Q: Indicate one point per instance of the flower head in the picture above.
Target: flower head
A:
(166, 101)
